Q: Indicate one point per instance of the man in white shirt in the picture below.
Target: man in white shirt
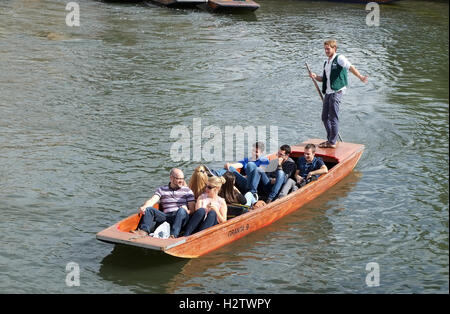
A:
(334, 82)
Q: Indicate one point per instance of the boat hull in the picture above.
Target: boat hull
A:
(232, 5)
(346, 155)
(361, 1)
(179, 4)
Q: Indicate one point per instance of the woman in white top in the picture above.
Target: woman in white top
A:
(210, 208)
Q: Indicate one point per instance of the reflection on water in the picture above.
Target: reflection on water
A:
(141, 270)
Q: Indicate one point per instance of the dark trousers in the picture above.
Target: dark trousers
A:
(257, 177)
(330, 118)
(154, 217)
(241, 181)
(198, 222)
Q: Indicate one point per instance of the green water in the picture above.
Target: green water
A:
(85, 120)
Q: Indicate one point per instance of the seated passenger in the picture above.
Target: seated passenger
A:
(198, 181)
(210, 208)
(270, 183)
(176, 202)
(255, 160)
(307, 166)
(229, 192)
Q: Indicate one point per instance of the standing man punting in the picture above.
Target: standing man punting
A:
(334, 82)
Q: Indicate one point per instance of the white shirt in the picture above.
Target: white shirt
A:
(343, 62)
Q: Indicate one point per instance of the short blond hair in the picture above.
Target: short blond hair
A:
(331, 42)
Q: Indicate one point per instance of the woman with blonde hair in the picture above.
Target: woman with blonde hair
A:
(198, 181)
(210, 208)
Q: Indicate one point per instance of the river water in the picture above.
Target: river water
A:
(86, 115)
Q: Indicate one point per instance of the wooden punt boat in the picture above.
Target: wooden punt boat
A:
(179, 3)
(340, 162)
(232, 5)
(361, 1)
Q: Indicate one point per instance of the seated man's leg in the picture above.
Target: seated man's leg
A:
(281, 177)
(219, 172)
(290, 184)
(151, 219)
(180, 220)
(241, 181)
(254, 175)
(194, 221)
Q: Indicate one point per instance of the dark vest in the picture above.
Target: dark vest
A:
(338, 76)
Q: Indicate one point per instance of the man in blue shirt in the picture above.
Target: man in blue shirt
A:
(257, 151)
(242, 181)
(308, 165)
(256, 159)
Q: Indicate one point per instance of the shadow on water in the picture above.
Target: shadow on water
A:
(142, 270)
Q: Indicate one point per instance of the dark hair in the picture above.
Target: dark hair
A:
(259, 145)
(311, 147)
(286, 148)
(227, 191)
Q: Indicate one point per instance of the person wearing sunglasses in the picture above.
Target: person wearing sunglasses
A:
(176, 202)
(210, 209)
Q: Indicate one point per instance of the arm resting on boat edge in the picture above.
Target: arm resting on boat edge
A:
(149, 203)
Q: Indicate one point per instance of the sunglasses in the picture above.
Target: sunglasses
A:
(211, 187)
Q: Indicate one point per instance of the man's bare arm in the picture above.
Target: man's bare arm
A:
(355, 72)
(149, 203)
(316, 77)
